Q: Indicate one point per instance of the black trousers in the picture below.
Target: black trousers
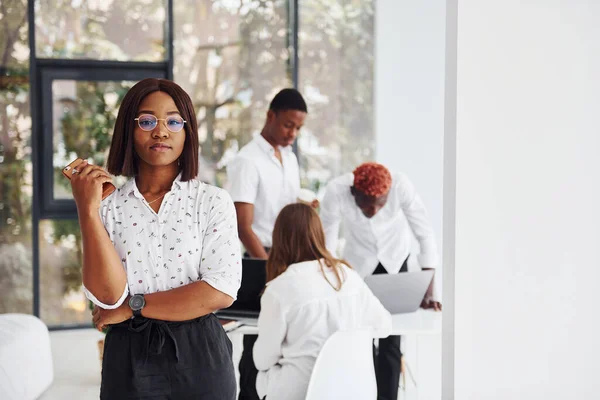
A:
(248, 371)
(146, 359)
(387, 357)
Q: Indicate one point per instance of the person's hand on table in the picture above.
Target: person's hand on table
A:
(429, 303)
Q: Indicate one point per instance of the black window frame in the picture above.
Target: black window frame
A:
(50, 207)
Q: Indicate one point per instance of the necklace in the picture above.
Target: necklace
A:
(158, 198)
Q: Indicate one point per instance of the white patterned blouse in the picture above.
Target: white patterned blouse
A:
(193, 237)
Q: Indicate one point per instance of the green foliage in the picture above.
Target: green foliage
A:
(86, 126)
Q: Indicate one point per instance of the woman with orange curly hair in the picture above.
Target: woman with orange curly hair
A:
(381, 212)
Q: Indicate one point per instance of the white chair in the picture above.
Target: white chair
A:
(26, 369)
(344, 368)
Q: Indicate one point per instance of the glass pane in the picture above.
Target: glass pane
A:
(232, 58)
(336, 42)
(84, 115)
(16, 272)
(100, 29)
(62, 300)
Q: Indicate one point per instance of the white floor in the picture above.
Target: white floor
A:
(77, 366)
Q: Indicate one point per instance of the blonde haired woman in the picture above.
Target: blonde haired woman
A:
(309, 296)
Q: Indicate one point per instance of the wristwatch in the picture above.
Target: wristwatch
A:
(137, 303)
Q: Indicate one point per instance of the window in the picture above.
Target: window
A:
(62, 301)
(16, 266)
(336, 55)
(124, 30)
(232, 57)
(83, 117)
(79, 109)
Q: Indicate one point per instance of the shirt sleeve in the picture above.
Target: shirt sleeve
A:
(243, 178)
(271, 332)
(100, 304)
(221, 263)
(331, 218)
(418, 219)
(108, 225)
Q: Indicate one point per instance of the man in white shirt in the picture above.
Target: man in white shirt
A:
(265, 178)
(381, 212)
(264, 175)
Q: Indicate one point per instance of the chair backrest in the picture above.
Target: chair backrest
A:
(344, 368)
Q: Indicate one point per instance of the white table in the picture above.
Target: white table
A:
(421, 322)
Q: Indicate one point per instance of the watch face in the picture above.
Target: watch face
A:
(136, 303)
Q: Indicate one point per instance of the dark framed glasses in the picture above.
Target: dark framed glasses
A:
(149, 122)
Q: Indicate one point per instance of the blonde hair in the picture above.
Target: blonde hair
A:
(297, 237)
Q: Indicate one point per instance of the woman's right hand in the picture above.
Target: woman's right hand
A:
(86, 183)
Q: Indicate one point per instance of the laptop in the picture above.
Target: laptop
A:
(400, 293)
(247, 304)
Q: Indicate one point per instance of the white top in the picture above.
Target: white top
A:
(299, 311)
(385, 238)
(257, 177)
(193, 237)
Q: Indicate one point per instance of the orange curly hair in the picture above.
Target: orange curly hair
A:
(372, 179)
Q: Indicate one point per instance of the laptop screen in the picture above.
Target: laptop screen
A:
(254, 276)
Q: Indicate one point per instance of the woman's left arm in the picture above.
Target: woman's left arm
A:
(272, 330)
(220, 270)
(180, 304)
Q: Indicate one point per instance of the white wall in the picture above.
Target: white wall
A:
(409, 95)
(527, 230)
(409, 127)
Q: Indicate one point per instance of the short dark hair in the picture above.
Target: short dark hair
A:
(288, 99)
(122, 158)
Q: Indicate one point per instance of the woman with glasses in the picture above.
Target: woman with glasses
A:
(160, 255)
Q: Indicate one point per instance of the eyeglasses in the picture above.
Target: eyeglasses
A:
(148, 122)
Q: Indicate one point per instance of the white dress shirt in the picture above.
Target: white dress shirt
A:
(385, 238)
(193, 237)
(257, 177)
(300, 310)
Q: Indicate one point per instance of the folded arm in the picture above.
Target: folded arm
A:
(186, 302)
(180, 304)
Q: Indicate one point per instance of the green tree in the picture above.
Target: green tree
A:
(16, 293)
(86, 128)
(231, 57)
(336, 75)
